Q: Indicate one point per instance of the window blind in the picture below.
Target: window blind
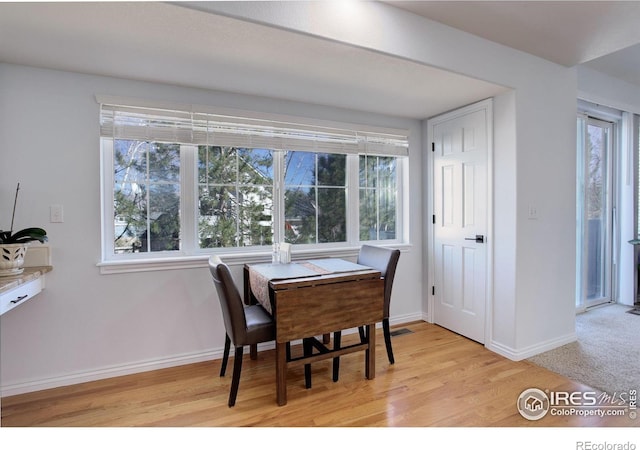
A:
(203, 128)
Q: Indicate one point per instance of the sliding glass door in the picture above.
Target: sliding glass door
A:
(595, 211)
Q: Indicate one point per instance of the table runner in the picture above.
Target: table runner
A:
(261, 274)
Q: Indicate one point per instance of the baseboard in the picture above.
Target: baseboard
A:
(527, 352)
(144, 366)
(107, 372)
(407, 318)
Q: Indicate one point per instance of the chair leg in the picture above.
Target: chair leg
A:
(225, 355)
(235, 381)
(363, 338)
(387, 340)
(253, 351)
(307, 349)
(337, 337)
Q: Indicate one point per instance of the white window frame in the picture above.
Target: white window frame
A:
(190, 255)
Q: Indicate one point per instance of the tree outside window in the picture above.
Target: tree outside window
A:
(146, 196)
(235, 197)
(315, 198)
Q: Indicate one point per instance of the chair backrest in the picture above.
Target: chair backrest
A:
(385, 260)
(235, 321)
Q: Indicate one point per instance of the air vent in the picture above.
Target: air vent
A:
(401, 331)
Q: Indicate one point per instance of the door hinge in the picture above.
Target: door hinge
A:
(433, 146)
(433, 290)
(433, 219)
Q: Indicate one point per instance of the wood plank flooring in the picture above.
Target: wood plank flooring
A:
(440, 379)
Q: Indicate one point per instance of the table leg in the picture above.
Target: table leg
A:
(281, 373)
(370, 353)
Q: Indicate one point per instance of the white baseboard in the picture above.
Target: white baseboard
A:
(407, 318)
(528, 352)
(142, 366)
(107, 372)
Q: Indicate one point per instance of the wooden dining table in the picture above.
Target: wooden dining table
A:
(315, 298)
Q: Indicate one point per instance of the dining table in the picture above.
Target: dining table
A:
(313, 298)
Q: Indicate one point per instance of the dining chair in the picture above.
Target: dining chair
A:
(385, 260)
(244, 324)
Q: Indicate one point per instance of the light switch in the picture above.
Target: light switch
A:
(533, 212)
(56, 214)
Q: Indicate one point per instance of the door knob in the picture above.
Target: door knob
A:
(479, 239)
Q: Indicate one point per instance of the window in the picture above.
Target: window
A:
(146, 196)
(178, 184)
(315, 198)
(235, 194)
(378, 198)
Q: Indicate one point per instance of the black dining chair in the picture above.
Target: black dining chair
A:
(385, 260)
(244, 324)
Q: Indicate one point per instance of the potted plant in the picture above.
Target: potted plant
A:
(13, 246)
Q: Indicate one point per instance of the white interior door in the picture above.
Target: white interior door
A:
(460, 221)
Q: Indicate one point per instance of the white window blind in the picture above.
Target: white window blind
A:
(203, 128)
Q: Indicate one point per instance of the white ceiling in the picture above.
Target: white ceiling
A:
(565, 32)
(203, 50)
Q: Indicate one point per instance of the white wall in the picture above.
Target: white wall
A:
(85, 325)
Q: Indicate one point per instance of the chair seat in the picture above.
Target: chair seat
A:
(259, 325)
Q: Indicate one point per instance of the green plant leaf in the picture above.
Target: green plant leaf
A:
(25, 235)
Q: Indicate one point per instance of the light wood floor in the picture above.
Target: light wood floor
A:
(439, 380)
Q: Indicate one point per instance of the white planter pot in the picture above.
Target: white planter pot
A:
(12, 259)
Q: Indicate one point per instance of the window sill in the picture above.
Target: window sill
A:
(232, 259)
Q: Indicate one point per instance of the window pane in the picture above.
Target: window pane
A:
(216, 223)
(387, 176)
(387, 172)
(130, 161)
(368, 215)
(368, 176)
(236, 197)
(388, 210)
(596, 204)
(255, 166)
(164, 162)
(378, 198)
(216, 165)
(146, 196)
(299, 169)
(315, 214)
(164, 218)
(130, 209)
(332, 221)
(256, 222)
(300, 216)
(332, 170)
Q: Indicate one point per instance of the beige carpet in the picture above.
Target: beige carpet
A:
(606, 355)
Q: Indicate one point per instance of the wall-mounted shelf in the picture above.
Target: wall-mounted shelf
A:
(18, 289)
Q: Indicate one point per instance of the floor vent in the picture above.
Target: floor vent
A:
(401, 331)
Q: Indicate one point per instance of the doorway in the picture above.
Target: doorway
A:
(596, 212)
